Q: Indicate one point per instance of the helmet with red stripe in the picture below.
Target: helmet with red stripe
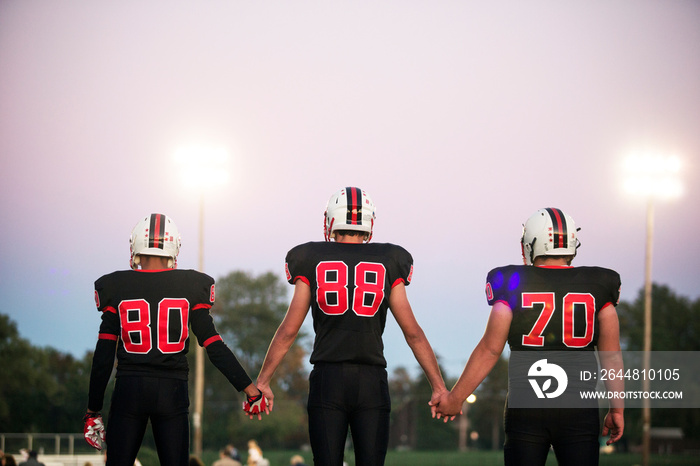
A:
(349, 209)
(549, 232)
(155, 235)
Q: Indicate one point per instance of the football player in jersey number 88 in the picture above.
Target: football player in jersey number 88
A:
(146, 313)
(349, 284)
(547, 304)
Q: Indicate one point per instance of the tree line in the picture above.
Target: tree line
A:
(45, 390)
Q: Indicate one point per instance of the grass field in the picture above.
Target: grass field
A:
(476, 458)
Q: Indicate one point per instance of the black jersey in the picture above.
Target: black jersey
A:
(554, 308)
(147, 315)
(350, 286)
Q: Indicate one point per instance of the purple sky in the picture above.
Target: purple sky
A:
(459, 119)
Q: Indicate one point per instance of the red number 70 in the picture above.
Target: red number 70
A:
(585, 300)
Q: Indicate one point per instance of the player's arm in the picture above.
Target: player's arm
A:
(217, 351)
(481, 361)
(416, 339)
(103, 359)
(611, 359)
(285, 336)
(102, 365)
(225, 361)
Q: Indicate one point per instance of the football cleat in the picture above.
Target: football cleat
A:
(549, 232)
(155, 235)
(349, 209)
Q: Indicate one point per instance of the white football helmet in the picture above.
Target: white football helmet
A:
(549, 232)
(349, 209)
(155, 235)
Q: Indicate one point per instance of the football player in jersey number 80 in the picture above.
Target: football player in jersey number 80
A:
(349, 284)
(547, 304)
(146, 315)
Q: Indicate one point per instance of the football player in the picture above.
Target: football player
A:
(350, 284)
(146, 315)
(548, 305)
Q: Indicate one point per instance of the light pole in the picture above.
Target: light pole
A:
(201, 167)
(653, 177)
(464, 422)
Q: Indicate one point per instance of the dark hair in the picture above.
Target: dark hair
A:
(569, 257)
(350, 233)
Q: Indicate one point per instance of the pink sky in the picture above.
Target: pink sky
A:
(459, 118)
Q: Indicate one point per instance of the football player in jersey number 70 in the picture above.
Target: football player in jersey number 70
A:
(146, 315)
(548, 305)
(349, 284)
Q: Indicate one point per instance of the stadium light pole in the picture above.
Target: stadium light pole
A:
(652, 177)
(201, 168)
(464, 422)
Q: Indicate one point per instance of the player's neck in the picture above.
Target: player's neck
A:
(357, 239)
(543, 261)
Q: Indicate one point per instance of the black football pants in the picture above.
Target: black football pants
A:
(572, 433)
(136, 400)
(346, 395)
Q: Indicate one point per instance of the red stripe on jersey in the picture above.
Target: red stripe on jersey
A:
(202, 306)
(303, 279)
(107, 336)
(398, 281)
(211, 340)
(109, 309)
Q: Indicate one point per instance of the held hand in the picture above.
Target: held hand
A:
(613, 425)
(436, 406)
(449, 407)
(267, 392)
(94, 430)
(255, 406)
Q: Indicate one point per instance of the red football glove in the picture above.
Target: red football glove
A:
(255, 404)
(94, 430)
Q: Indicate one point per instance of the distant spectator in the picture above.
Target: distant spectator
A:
(297, 460)
(9, 460)
(33, 460)
(233, 453)
(194, 461)
(255, 455)
(226, 460)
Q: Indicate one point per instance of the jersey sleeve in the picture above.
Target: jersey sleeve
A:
(495, 289)
(105, 349)
(614, 284)
(404, 266)
(103, 297)
(294, 265)
(200, 318)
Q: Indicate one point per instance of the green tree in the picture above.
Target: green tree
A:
(43, 390)
(674, 322)
(431, 434)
